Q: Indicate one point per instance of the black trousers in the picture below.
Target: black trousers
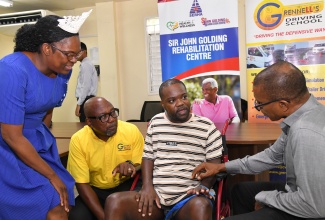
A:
(81, 211)
(82, 116)
(243, 202)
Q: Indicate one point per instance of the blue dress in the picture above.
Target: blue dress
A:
(26, 95)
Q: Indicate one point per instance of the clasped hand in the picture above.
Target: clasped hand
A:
(124, 169)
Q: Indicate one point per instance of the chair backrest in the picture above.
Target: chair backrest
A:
(150, 109)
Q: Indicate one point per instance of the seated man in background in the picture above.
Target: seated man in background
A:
(103, 156)
(176, 142)
(280, 91)
(218, 108)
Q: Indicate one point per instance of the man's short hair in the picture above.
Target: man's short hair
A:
(167, 83)
(212, 82)
(282, 80)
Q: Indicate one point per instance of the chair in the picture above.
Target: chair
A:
(244, 106)
(149, 109)
(136, 179)
(222, 200)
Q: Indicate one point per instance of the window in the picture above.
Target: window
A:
(153, 55)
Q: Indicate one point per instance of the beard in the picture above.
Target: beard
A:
(180, 116)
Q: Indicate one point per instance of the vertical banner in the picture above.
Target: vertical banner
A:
(291, 30)
(199, 39)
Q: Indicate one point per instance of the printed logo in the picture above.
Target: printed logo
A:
(179, 24)
(216, 21)
(172, 25)
(171, 143)
(122, 147)
(195, 9)
(185, 24)
(269, 15)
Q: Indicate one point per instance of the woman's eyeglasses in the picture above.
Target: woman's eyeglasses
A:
(69, 55)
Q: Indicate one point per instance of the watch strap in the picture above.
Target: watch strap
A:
(130, 162)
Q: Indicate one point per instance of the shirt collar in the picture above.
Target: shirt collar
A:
(291, 119)
(206, 102)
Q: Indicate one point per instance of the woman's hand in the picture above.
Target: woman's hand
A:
(62, 190)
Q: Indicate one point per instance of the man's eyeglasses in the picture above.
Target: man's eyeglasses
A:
(258, 106)
(105, 117)
(69, 55)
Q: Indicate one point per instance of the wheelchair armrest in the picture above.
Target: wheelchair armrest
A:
(221, 176)
(135, 181)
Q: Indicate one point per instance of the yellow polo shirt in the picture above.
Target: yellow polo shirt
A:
(92, 160)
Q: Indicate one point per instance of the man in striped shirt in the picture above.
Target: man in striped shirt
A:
(176, 142)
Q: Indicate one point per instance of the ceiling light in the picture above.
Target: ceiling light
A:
(6, 3)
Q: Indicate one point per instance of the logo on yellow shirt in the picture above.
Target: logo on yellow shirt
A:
(122, 147)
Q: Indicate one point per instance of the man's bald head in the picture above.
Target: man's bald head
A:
(93, 104)
(101, 116)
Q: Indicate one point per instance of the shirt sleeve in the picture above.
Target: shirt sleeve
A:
(306, 200)
(77, 164)
(86, 70)
(12, 95)
(265, 160)
(214, 144)
(148, 146)
(232, 110)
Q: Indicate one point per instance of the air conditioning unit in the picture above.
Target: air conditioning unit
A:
(11, 22)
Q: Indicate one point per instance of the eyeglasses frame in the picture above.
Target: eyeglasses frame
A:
(69, 55)
(109, 115)
(258, 107)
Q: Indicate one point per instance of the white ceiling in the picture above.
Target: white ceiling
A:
(51, 5)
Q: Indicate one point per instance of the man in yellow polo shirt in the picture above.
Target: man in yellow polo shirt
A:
(103, 155)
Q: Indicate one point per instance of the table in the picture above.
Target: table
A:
(241, 133)
(237, 133)
(63, 146)
(242, 139)
(248, 139)
(251, 133)
(64, 130)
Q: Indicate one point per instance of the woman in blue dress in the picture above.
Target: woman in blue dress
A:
(33, 80)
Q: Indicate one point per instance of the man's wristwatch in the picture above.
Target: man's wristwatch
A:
(130, 162)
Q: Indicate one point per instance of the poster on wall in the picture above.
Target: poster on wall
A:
(290, 30)
(199, 39)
